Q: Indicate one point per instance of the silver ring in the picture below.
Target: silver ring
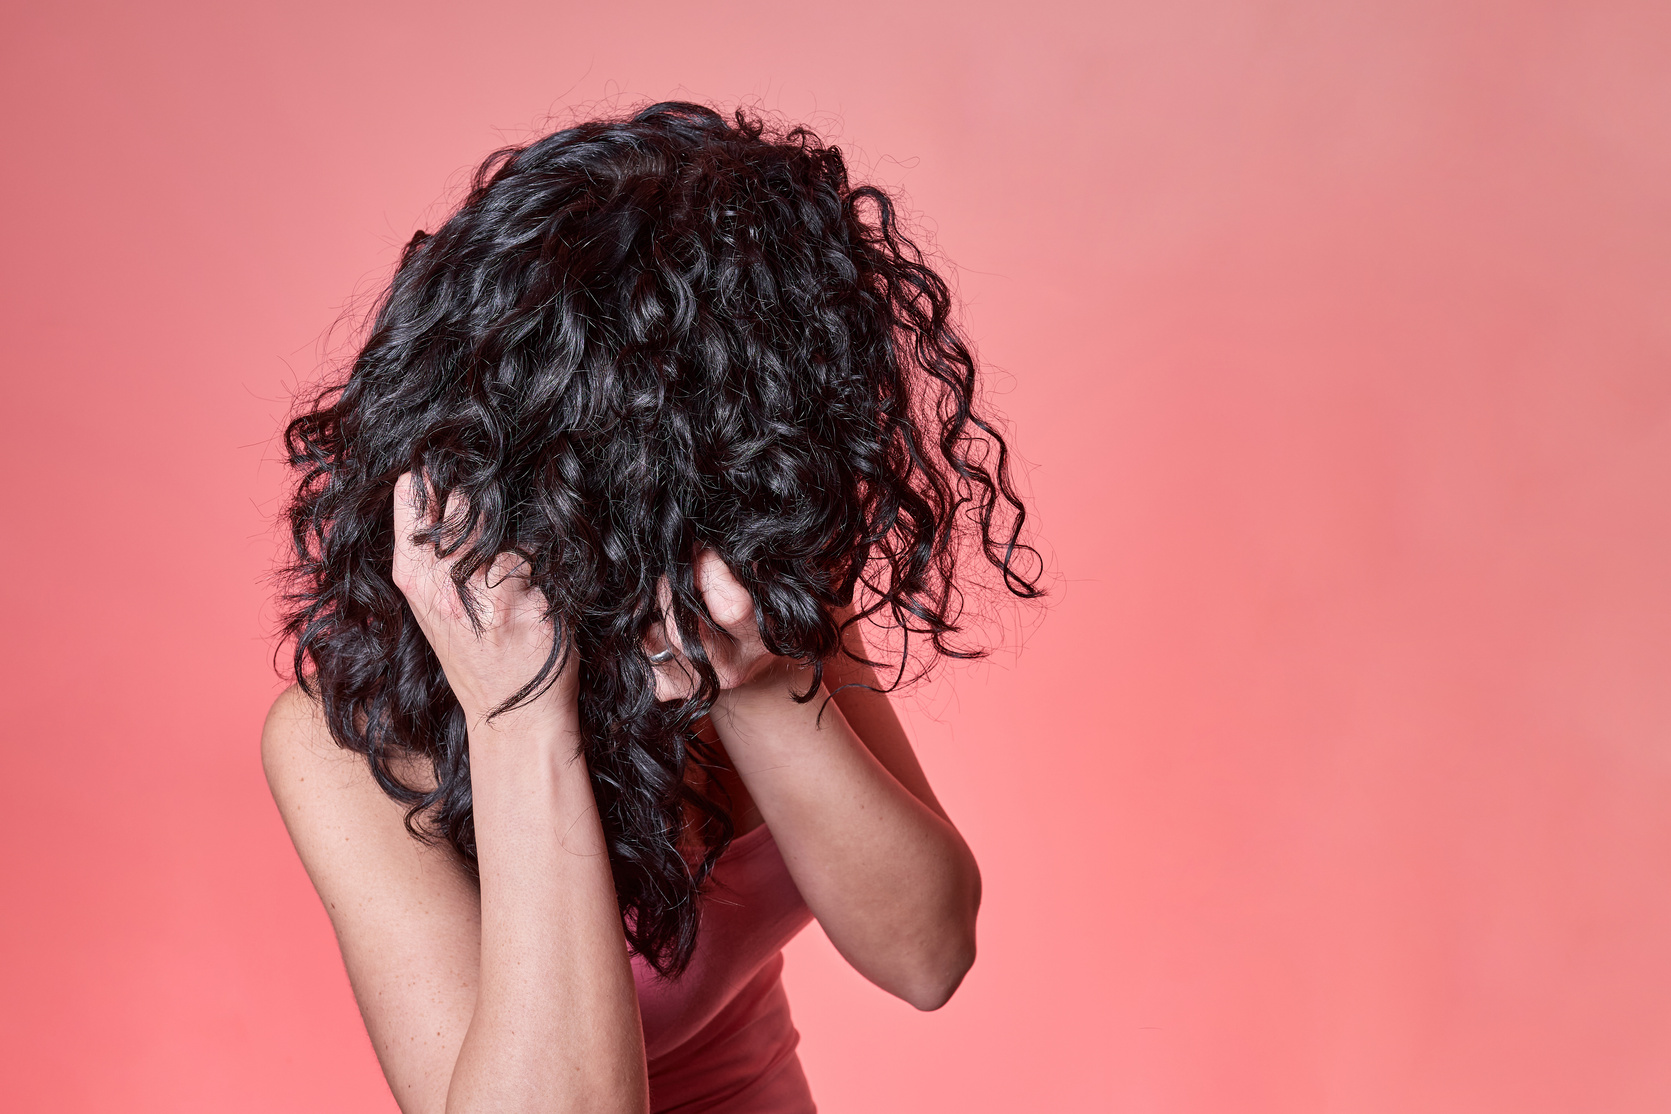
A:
(662, 656)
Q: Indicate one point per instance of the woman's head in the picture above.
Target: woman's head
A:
(636, 339)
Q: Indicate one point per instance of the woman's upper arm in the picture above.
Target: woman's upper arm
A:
(407, 917)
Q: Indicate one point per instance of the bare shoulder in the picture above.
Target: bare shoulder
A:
(312, 778)
(305, 766)
(296, 743)
(339, 818)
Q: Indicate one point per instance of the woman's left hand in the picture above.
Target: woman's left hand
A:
(741, 660)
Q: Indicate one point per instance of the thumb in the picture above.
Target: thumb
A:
(728, 601)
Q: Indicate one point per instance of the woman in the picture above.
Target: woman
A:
(584, 727)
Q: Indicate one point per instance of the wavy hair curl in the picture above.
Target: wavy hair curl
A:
(637, 337)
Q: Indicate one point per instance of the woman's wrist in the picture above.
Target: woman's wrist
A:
(774, 679)
(753, 719)
(546, 729)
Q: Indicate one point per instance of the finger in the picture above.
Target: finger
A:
(511, 569)
(670, 675)
(658, 648)
(664, 635)
(406, 509)
(412, 562)
(507, 587)
(422, 574)
(728, 601)
(674, 679)
(452, 517)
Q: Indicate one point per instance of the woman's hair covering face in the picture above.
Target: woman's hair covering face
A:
(636, 338)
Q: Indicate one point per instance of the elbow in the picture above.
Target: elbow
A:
(939, 976)
(940, 968)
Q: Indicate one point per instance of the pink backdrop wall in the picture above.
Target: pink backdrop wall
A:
(1337, 778)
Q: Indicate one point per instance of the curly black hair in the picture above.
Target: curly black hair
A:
(635, 338)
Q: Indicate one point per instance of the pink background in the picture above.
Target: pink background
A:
(1336, 339)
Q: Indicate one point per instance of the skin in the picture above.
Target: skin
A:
(518, 995)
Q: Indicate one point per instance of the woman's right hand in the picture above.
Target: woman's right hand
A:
(488, 666)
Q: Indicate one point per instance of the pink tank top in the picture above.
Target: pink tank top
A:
(719, 1037)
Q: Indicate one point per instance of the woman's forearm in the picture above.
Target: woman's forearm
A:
(890, 880)
(556, 1025)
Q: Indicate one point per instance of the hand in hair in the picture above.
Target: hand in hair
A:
(732, 644)
(491, 647)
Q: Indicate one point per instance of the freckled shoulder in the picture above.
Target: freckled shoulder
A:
(295, 743)
(296, 746)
